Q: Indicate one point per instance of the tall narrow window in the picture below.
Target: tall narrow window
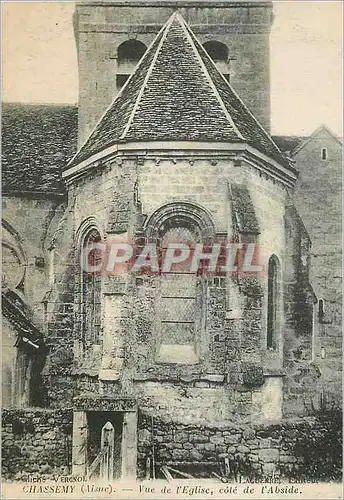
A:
(180, 289)
(273, 286)
(219, 53)
(324, 154)
(313, 331)
(128, 55)
(321, 311)
(177, 302)
(91, 292)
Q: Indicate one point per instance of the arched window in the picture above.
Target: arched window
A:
(321, 309)
(180, 290)
(177, 303)
(218, 51)
(273, 302)
(130, 52)
(91, 291)
(128, 55)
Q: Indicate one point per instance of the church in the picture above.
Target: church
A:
(125, 375)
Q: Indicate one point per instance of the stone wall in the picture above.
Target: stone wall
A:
(92, 202)
(253, 451)
(30, 222)
(318, 199)
(303, 378)
(234, 341)
(36, 441)
(29, 225)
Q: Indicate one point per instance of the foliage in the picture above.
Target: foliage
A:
(319, 446)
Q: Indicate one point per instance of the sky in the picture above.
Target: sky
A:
(39, 62)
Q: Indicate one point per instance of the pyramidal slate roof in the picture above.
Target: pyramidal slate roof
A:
(177, 94)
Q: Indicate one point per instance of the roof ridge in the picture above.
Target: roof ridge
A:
(149, 72)
(208, 77)
(236, 95)
(307, 139)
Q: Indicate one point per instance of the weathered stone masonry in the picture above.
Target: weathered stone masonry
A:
(36, 442)
(197, 365)
(251, 451)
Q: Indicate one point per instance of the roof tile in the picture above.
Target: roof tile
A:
(247, 124)
(37, 141)
(177, 94)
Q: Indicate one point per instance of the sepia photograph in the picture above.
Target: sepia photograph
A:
(172, 249)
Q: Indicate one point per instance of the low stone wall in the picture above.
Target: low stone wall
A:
(252, 451)
(36, 440)
(39, 442)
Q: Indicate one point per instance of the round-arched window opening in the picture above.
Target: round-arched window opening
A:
(180, 215)
(179, 229)
(180, 293)
(130, 52)
(218, 51)
(91, 289)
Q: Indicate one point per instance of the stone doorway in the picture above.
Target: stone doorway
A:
(105, 444)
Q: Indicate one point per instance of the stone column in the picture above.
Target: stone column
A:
(80, 434)
(129, 445)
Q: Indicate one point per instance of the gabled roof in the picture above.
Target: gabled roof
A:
(316, 132)
(177, 94)
(37, 141)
